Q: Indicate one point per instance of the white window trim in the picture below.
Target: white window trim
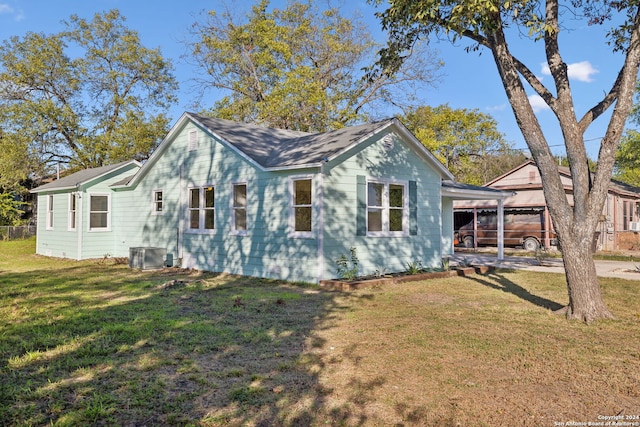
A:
(385, 208)
(50, 213)
(233, 208)
(292, 217)
(201, 210)
(72, 220)
(154, 211)
(99, 229)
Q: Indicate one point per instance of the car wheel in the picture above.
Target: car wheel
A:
(530, 244)
(468, 241)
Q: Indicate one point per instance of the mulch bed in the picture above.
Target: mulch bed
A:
(367, 282)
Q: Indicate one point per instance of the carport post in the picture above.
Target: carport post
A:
(500, 229)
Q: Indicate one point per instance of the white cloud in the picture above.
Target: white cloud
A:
(18, 15)
(580, 71)
(499, 107)
(545, 69)
(537, 103)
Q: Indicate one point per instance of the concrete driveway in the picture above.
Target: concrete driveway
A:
(619, 269)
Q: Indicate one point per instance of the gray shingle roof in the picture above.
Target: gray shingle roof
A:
(80, 177)
(278, 148)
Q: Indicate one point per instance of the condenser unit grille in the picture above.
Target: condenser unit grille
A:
(147, 258)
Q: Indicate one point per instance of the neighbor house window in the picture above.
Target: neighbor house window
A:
(202, 208)
(193, 140)
(387, 210)
(301, 207)
(49, 224)
(158, 206)
(99, 205)
(239, 208)
(73, 201)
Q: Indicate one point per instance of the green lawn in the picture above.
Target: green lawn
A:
(95, 343)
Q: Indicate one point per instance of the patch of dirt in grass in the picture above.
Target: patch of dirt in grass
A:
(429, 298)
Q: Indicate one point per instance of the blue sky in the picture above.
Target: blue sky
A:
(469, 80)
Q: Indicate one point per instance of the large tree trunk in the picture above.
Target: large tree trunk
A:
(585, 299)
(575, 225)
(575, 216)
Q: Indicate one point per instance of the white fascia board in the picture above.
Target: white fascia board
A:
(293, 167)
(359, 141)
(77, 185)
(157, 153)
(52, 190)
(226, 143)
(456, 193)
(132, 162)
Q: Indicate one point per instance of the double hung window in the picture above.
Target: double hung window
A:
(302, 207)
(239, 208)
(49, 225)
(158, 206)
(202, 208)
(387, 208)
(73, 208)
(99, 205)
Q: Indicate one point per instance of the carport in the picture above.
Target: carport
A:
(451, 191)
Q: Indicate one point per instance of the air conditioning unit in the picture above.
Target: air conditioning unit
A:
(147, 258)
(634, 226)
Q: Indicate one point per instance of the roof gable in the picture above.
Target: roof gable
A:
(278, 149)
(77, 179)
(274, 148)
(281, 149)
(519, 176)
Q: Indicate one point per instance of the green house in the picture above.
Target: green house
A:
(223, 196)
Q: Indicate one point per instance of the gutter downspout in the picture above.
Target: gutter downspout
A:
(320, 232)
(79, 224)
(181, 214)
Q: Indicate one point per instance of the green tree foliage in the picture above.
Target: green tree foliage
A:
(466, 141)
(628, 159)
(15, 164)
(297, 68)
(490, 25)
(627, 168)
(10, 211)
(87, 96)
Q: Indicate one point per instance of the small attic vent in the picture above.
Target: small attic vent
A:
(147, 258)
(193, 140)
(387, 141)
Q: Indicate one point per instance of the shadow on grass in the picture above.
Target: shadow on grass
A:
(103, 345)
(501, 283)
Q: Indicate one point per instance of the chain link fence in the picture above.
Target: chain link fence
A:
(15, 233)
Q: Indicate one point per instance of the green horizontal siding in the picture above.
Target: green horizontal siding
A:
(341, 213)
(266, 250)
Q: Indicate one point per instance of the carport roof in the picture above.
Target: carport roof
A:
(460, 191)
